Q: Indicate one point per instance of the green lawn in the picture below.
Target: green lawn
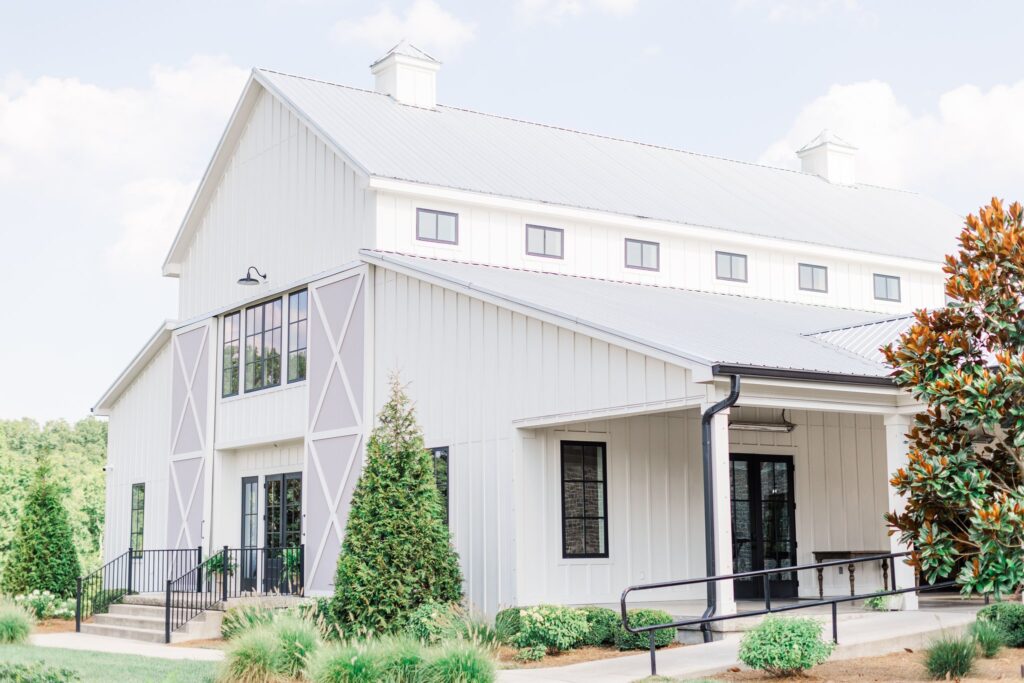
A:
(99, 667)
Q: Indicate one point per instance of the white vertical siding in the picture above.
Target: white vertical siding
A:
(473, 368)
(286, 204)
(262, 416)
(596, 250)
(138, 446)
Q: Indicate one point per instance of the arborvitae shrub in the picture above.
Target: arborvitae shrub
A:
(397, 553)
(43, 555)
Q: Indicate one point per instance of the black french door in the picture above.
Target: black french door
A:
(250, 532)
(763, 527)
(282, 531)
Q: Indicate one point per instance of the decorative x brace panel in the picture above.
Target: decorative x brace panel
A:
(189, 395)
(334, 443)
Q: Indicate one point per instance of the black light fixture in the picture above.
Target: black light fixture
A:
(249, 280)
(783, 425)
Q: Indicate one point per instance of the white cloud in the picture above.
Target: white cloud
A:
(966, 149)
(424, 23)
(800, 11)
(554, 11)
(127, 156)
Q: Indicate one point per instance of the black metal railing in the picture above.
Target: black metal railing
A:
(231, 573)
(769, 608)
(132, 572)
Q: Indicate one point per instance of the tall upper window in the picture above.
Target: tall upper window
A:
(642, 254)
(887, 287)
(297, 315)
(541, 241)
(232, 339)
(263, 345)
(437, 226)
(730, 266)
(584, 500)
(813, 278)
(440, 457)
(138, 518)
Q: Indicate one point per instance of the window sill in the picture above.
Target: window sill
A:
(590, 561)
(263, 392)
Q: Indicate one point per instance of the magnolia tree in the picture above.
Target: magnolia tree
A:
(964, 513)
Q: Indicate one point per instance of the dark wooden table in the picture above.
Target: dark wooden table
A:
(829, 555)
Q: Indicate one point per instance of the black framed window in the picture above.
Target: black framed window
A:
(232, 339)
(263, 345)
(643, 255)
(440, 458)
(887, 287)
(297, 324)
(541, 241)
(813, 278)
(138, 518)
(584, 500)
(729, 266)
(437, 226)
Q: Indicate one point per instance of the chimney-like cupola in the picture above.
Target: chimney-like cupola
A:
(830, 157)
(408, 74)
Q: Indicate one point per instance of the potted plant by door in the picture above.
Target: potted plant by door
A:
(215, 568)
(291, 566)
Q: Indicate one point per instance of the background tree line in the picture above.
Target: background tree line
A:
(76, 455)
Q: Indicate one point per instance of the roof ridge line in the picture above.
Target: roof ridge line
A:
(880, 321)
(600, 136)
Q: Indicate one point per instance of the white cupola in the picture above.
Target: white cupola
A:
(830, 157)
(407, 74)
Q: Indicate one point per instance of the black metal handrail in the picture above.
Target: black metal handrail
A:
(133, 571)
(765, 574)
(232, 573)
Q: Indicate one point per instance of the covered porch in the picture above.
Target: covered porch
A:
(799, 474)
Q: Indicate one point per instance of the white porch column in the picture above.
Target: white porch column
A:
(723, 511)
(896, 428)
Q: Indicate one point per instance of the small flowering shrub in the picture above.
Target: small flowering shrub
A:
(784, 646)
(624, 640)
(554, 627)
(46, 605)
(534, 653)
(433, 622)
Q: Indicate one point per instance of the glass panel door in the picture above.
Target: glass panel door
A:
(283, 531)
(250, 531)
(763, 532)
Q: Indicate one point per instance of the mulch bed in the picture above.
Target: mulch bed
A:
(54, 626)
(904, 666)
(507, 656)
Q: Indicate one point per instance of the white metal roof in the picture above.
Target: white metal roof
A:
(867, 339)
(465, 150)
(697, 327)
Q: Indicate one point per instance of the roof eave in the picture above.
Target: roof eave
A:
(720, 369)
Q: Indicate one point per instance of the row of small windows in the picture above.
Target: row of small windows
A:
(442, 226)
(263, 334)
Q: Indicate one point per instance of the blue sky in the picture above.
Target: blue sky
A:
(109, 112)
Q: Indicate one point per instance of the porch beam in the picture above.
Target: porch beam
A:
(609, 413)
(896, 427)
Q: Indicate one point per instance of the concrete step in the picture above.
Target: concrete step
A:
(130, 621)
(143, 634)
(177, 599)
(129, 610)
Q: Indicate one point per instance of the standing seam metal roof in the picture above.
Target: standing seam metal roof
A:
(466, 150)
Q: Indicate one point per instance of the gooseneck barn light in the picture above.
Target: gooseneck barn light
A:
(249, 280)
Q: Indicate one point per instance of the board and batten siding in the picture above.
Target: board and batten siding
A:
(261, 416)
(472, 368)
(138, 448)
(498, 237)
(286, 203)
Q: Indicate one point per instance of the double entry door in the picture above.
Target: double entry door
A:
(763, 526)
(276, 566)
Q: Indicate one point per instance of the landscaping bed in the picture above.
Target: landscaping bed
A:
(588, 653)
(903, 666)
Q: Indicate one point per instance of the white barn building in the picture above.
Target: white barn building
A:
(564, 307)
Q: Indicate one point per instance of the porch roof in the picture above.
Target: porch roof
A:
(726, 333)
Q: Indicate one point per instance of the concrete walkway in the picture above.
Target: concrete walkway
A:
(92, 643)
(866, 635)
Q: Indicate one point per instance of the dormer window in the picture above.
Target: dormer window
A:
(730, 266)
(437, 226)
(541, 241)
(887, 287)
(643, 255)
(813, 278)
